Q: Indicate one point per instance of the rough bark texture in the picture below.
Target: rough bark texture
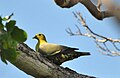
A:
(100, 15)
(36, 65)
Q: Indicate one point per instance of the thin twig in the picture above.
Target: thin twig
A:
(97, 38)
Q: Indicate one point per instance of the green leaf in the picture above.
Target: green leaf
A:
(3, 57)
(8, 48)
(10, 25)
(0, 19)
(3, 35)
(1, 25)
(6, 18)
(10, 54)
(5, 44)
(7, 41)
(4, 39)
(12, 43)
(18, 34)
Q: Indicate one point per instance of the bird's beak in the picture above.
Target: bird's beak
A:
(34, 37)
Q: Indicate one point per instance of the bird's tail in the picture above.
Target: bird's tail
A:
(82, 53)
(75, 54)
(61, 58)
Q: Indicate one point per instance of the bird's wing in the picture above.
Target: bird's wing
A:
(49, 48)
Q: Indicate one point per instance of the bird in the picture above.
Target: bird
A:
(57, 54)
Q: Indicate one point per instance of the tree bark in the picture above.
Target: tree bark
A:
(100, 15)
(36, 65)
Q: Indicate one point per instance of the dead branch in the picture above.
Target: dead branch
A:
(99, 39)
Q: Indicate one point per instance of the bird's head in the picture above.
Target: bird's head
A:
(39, 37)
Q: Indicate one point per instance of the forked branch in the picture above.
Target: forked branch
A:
(95, 10)
(100, 41)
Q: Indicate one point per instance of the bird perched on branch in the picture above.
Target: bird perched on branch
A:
(56, 53)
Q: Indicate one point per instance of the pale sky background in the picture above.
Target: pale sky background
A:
(44, 16)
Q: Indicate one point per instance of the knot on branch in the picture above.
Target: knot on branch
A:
(66, 3)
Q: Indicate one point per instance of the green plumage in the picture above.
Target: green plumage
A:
(64, 56)
(58, 54)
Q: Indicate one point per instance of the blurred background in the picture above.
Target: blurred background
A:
(44, 16)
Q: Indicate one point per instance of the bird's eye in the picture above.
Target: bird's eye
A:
(39, 34)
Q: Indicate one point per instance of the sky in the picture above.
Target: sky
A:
(44, 16)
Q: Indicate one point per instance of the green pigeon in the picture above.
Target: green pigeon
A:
(58, 54)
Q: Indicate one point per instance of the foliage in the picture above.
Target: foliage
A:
(10, 36)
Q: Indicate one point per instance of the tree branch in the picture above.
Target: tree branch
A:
(36, 65)
(101, 41)
(93, 9)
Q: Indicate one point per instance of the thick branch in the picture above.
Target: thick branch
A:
(36, 65)
(93, 9)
